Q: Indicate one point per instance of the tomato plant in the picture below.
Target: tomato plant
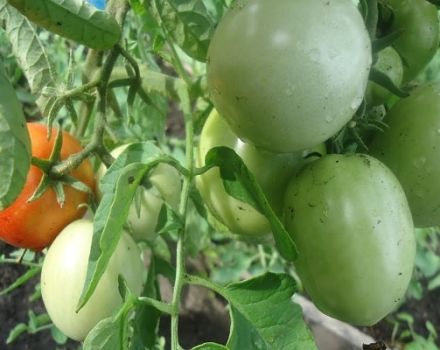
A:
(223, 104)
(419, 38)
(298, 72)
(64, 272)
(352, 225)
(240, 217)
(38, 229)
(409, 146)
(144, 212)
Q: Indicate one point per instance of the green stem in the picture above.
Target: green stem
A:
(199, 281)
(173, 162)
(202, 170)
(80, 90)
(262, 255)
(17, 262)
(95, 145)
(159, 305)
(179, 66)
(180, 250)
(93, 61)
(118, 9)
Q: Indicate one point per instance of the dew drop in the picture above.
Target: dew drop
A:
(356, 102)
(290, 89)
(419, 194)
(329, 118)
(419, 163)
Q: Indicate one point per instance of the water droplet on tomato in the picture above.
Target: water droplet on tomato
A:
(419, 163)
(356, 102)
(329, 118)
(290, 89)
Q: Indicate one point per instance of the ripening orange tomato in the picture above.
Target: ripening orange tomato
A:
(34, 225)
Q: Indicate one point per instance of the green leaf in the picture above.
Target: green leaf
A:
(106, 335)
(72, 19)
(35, 324)
(189, 24)
(385, 41)
(18, 330)
(210, 346)
(242, 185)
(385, 81)
(370, 9)
(15, 146)
(59, 337)
(434, 283)
(264, 317)
(168, 220)
(118, 187)
(197, 200)
(147, 317)
(22, 280)
(165, 268)
(31, 56)
(108, 225)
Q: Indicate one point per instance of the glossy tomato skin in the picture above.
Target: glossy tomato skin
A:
(350, 220)
(64, 272)
(144, 212)
(288, 75)
(419, 40)
(410, 148)
(34, 225)
(389, 63)
(272, 171)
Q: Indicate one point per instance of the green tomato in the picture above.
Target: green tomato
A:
(410, 148)
(144, 212)
(418, 20)
(288, 75)
(389, 63)
(64, 272)
(272, 172)
(351, 223)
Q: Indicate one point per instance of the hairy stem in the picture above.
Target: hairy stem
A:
(180, 252)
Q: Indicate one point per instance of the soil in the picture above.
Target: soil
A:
(422, 311)
(14, 309)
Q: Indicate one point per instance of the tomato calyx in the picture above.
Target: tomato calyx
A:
(51, 179)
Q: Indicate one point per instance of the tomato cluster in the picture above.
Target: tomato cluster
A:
(294, 76)
(285, 78)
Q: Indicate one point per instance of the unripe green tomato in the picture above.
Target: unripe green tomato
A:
(272, 172)
(351, 223)
(64, 272)
(144, 211)
(389, 63)
(419, 40)
(287, 75)
(410, 147)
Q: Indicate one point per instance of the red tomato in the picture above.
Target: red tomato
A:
(35, 225)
